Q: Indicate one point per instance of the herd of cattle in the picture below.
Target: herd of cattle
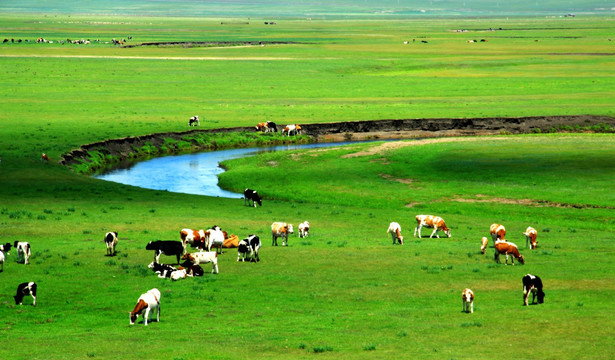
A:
(248, 250)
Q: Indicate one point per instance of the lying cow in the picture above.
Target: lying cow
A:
(281, 229)
(179, 273)
(430, 221)
(23, 289)
(532, 284)
(394, 231)
(194, 270)
(111, 242)
(165, 247)
(23, 251)
(248, 248)
(530, 237)
(158, 268)
(150, 301)
(251, 195)
(467, 298)
(507, 248)
(203, 257)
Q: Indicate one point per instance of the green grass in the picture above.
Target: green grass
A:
(344, 292)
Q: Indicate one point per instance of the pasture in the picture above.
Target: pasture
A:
(345, 291)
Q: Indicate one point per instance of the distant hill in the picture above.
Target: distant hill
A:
(311, 8)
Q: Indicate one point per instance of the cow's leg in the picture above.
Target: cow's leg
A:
(177, 256)
(274, 241)
(526, 294)
(157, 256)
(472, 306)
(435, 230)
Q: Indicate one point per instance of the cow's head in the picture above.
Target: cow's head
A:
(133, 318)
(290, 229)
(447, 231)
(541, 296)
(188, 257)
(6, 247)
(521, 260)
(150, 246)
(18, 299)
(533, 244)
(401, 239)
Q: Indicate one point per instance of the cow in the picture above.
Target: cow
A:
(292, 130)
(165, 247)
(23, 289)
(484, 243)
(271, 127)
(111, 242)
(249, 194)
(507, 248)
(6, 248)
(196, 238)
(249, 247)
(174, 275)
(262, 127)
(394, 231)
(532, 284)
(530, 237)
(467, 298)
(2, 258)
(159, 268)
(23, 251)
(44, 157)
(430, 221)
(214, 237)
(497, 231)
(304, 229)
(281, 229)
(203, 257)
(194, 120)
(194, 270)
(150, 301)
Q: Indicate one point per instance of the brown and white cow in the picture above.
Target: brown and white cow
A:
(497, 231)
(394, 231)
(431, 221)
(304, 229)
(292, 130)
(281, 229)
(196, 238)
(484, 243)
(150, 301)
(203, 257)
(467, 298)
(262, 127)
(111, 242)
(507, 248)
(530, 237)
(44, 157)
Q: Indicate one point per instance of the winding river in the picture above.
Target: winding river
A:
(192, 173)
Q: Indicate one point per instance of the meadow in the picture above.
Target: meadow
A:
(345, 291)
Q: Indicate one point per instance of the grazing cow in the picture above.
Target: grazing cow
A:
(23, 251)
(530, 237)
(262, 127)
(430, 221)
(304, 229)
(194, 120)
(281, 229)
(271, 126)
(292, 130)
(196, 238)
(532, 284)
(150, 301)
(165, 247)
(498, 232)
(44, 157)
(483, 246)
(214, 237)
(2, 258)
(248, 248)
(467, 298)
(111, 242)
(249, 194)
(23, 289)
(394, 231)
(203, 257)
(507, 248)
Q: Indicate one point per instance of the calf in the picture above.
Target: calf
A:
(430, 221)
(467, 298)
(195, 270)
(196, 238)
(249, 194)
(395, 232)
(23, 251)
(23, 289)
(111, 241)
(166, 247)
(304, 229)
(498, 232)
(530, 237)
(204, 257)
(507, 248)
(281, 229)
(248, 248)
(532, 284)
(150, 301)
(484, 243)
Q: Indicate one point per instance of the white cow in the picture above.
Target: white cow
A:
(304, 229)
(2, 258)
(214, 238)
(395, 231)
(150, 301)
(23, 251)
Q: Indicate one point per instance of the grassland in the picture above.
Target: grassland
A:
(345, 292)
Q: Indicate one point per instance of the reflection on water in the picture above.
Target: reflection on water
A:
(192, 173)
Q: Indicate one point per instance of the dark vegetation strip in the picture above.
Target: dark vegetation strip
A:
(211, 43)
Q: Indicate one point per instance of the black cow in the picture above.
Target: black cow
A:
(249, 247)
(194, 270)
(249, 194)
(533, 284)
(27, 288)
(6, 248)
(272, 126)
(166, 247)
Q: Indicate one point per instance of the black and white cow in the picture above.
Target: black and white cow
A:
(194, 120)
(272, 127)
(165, 247)
(248, 248)
(23, 251)
(158, 268)
(27, 288)
(249, 194)
(532, 284)
(6, 248)
(111, 242)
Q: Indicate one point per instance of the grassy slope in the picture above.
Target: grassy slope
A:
(356, 292)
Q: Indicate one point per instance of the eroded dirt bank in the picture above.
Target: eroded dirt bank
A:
(361, 130)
